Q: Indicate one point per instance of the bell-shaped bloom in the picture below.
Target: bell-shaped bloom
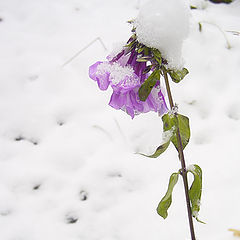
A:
(125, 75)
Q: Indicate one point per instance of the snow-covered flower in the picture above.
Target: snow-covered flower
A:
(125, 72)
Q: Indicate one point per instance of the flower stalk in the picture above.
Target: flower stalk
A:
(182, 160)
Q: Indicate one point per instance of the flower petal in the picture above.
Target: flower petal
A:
(117, 100)
(102, 78)
(156, 101)
(138, 105)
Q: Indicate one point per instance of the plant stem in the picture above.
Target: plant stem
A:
(182, 160)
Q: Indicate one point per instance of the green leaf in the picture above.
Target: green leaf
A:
(178, 75)
(193, 7)
(173, 122)
(140, 49)
(130, 44)
(143, 59)
(157, 56)
(200, 27)
(146, 51)
(195, 191)
(168, 127)
(158, 151)
(221, 1)
(184, 129)
(147, 86)
(166, 201)
(169, 122)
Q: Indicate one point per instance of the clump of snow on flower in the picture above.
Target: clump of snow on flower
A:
(164, 25)
(117, 72)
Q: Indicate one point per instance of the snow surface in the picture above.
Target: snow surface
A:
(67, 165)
(164, 25)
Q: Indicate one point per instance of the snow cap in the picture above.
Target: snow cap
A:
(164, 25)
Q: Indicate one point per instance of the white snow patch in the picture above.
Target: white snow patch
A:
(164, 25)
(168, 134)
(84, 164)
(191, 168)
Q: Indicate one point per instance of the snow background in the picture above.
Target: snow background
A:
(67, 165)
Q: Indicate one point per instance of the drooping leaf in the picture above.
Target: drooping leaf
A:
(169, 123)
(147, 86)
(195, 190)
(166, 201)
(178, 75)
(159, 150)
(184, 129)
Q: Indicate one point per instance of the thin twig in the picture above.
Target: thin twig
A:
(225, 36)
(181, 158)
(237, 33)
(83, 49)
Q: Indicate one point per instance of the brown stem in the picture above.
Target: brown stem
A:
(182, 160)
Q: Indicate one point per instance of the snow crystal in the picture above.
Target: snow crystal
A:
(164, 25)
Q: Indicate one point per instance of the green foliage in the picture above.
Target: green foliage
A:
(221, 1)
(195, 191)
(193, 7)
(184, 129)
(175, 122)
(147, 86)
(143, 59)
(166, 201)
(171, 124)
(157, 56)
(159, 150)
(178, 75)
(200, 27)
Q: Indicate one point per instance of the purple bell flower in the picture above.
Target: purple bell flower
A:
(125, 75)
